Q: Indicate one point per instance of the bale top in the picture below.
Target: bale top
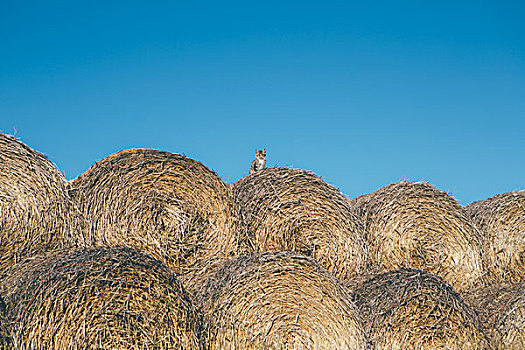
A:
(414, 309)
(294, 210)
(278, 300)
(103, 298)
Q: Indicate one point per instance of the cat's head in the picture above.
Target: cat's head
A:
(261, 153)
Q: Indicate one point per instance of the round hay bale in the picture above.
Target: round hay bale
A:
(36, 213)
(501, 219)
(278, 300)
(101, 298)
(294, 210)
(165, 204)
(414, 225)
(414, 309)
(502, 313)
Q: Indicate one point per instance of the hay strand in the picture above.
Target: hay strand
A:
(278, 300)
(36, 213)
(286, 209)
(501, 220)
(103, 298)
(414, 225)
(165, 204)
(414, 309)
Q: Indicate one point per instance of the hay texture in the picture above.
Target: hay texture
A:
(294, 210)
(414, 225)
(165, 204)
(502, 311)
(501, 220)
(102, 298)
(36, 214)
(414, 309)
(278, 300)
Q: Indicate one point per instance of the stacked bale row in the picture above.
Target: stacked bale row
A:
(37, 214)
(182, 213)
(66, 301)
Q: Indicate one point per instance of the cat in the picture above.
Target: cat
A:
(260, 161)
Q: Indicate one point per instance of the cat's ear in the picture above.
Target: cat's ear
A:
(264, 151)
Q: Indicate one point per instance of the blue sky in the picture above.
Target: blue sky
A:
(362, 93)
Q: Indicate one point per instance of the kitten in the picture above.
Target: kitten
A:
(260, 161)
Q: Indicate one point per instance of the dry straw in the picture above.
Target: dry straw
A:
(294, 210)
(166, 204)
(502, 312)
(501, 219)
(102, 298)
(278, 300)
(414, 309)
(36, 214)
(415, 225)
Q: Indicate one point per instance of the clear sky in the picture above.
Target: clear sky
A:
(362, 93)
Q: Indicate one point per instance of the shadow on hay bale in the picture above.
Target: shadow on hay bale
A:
(502, 311)
(36, 212)
(294, 210)
(165, 204)
(501, 220)
(414, 225)
(102, 298)
(5, 339)
(278, 300)
(414, 309)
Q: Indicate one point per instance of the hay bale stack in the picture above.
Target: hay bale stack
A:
(502, 313)
(102, 298)
(166, 204)
(414, 309)
(414, 225)
(501, 220)
(278, 300)
(36, 214)
(294, 210)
